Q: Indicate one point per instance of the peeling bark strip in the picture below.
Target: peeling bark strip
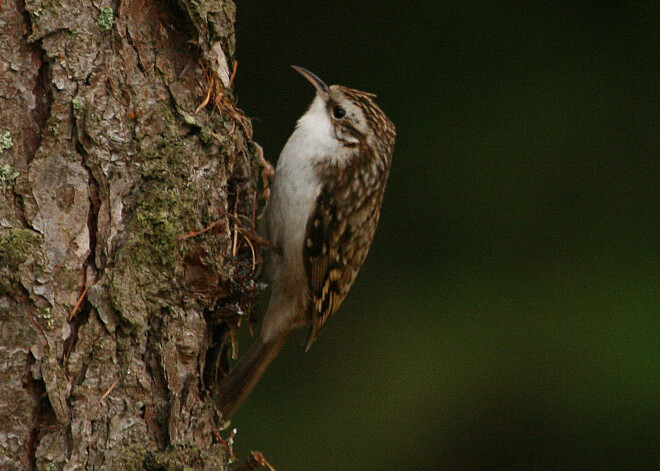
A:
(105, 309)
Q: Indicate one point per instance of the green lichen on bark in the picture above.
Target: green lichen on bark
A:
(7, 175)
(168, 205)
(166, 209)
(78, 104)
(183, 458)
(132, 459)
(176, 458)
(5, 141)
(105, 19)
(16, 246)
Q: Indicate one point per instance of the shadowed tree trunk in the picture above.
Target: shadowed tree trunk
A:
(125, 173)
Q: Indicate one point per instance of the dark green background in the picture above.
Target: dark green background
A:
(507, 315)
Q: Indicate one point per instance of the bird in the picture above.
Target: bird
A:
(320, 220)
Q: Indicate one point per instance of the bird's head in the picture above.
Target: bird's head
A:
(350, 115)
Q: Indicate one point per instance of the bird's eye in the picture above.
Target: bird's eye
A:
(338, 112)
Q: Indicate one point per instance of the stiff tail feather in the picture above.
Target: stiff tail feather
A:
(241, 380)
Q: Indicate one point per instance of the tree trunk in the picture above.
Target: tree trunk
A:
(126, 173)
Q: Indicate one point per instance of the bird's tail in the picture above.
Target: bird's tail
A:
(241, 380)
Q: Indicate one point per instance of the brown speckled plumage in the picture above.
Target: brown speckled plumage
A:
(343, 223)
(322, 216)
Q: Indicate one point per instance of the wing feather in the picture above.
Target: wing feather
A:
(324, 263)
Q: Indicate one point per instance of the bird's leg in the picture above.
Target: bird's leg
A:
(251, 233)
(267, 172)
(263, 242)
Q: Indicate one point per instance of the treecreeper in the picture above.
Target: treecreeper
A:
(321, 218)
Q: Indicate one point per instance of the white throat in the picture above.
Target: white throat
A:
(314, 134)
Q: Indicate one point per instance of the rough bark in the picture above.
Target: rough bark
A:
(111, 319)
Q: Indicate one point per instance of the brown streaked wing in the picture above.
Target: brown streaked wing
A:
(323, 262)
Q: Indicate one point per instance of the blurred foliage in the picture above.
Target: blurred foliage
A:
(508, 314)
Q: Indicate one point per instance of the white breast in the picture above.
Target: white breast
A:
(296, 184)
(295, 188)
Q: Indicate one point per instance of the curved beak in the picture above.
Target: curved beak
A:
(320, 86)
